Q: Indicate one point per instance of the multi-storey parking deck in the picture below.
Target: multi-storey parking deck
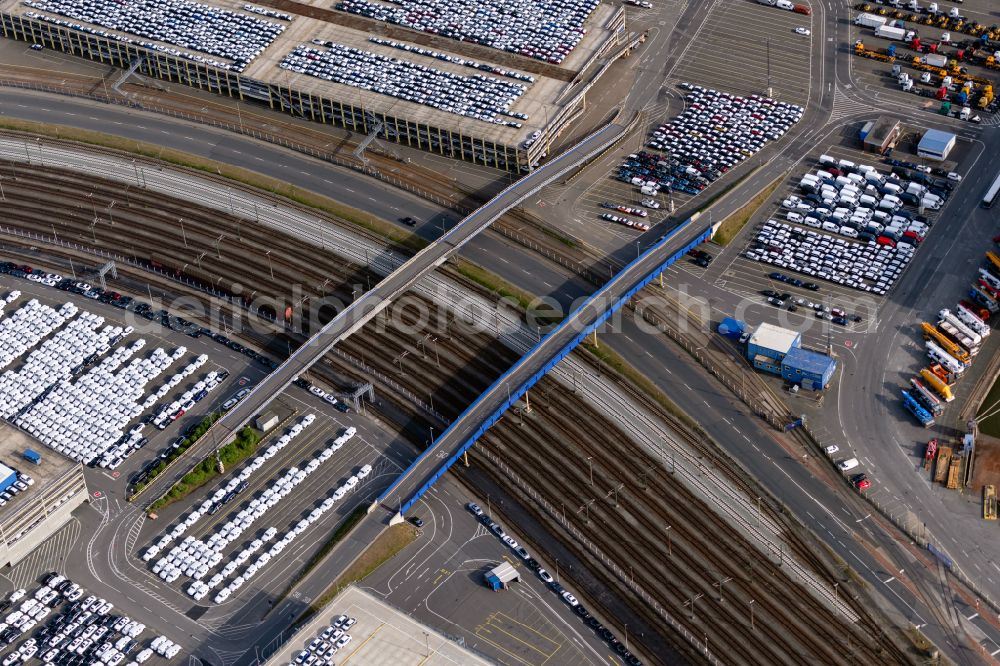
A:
(369, 304)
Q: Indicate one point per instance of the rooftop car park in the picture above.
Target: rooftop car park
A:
(221, 33)
(478, 96)
(548, 97)
(543, 29)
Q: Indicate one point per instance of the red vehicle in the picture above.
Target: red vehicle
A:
(980, 312)
(861, 482)
(802, 9)
(883, 240)
(932, 447)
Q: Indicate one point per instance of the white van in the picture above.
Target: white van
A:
(847, 465)
(846, 165)
(826, 160)
(793, 217)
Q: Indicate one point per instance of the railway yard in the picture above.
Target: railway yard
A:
(715, 466)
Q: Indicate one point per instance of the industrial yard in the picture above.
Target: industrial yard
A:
(562, 332)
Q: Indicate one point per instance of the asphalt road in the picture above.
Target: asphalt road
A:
(833, 81)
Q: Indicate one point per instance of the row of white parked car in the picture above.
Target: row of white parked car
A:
(454, 59)
(8, 299)
(225, 493)
(28, 325)
(55, 360)
(196, 558)
(235, 37)
(86, 419)
(83, 632)
(478, 96)
(870, 267)
(542, 29)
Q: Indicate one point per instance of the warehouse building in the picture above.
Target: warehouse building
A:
(556, 98)
(35, 514)
(878, 136)
(936, 145)
(779, 351)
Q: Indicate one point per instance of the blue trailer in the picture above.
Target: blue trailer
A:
(914, 407)
(34, 457)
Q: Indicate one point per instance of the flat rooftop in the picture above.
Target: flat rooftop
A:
(13, 442)
(538, 102)
(383, 636)
(774, 337)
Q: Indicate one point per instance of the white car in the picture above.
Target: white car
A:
(650, 203)
(831, 450)
(569, 598)
(954, 176)
(545, 576)
(923, 168)
(802, 31)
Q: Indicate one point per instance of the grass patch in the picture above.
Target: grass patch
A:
(732, 225)
(625, 369)
(555, 235)
(307, 198)
(380, 551)
(525, 300)
(231, 454)
(918, 639)
(342, 530)
(192, 437)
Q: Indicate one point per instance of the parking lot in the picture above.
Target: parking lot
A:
(740, 42)
(242, 371)
(57, 621)
(439, 580)
(300, 519)
(751, 278)
(943, 40)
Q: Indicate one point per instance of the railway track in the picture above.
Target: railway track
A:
(792, 627)
(800, 630)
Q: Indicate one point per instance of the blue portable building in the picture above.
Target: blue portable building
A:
(809, 369)
(7, 477)
(32, 456)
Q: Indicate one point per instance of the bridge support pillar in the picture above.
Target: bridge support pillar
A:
(661, 279)
(373, 506)
(465, 457)
(595, 338)
(527, 402)
(396, 519)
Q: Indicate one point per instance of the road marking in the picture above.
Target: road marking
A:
(973, 616)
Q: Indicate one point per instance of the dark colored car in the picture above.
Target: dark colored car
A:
(408, 221)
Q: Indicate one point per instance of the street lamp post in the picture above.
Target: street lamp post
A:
(590, 459)
(135, 167)
(269, 264)
(183, 233)
(670, 552)
(751, 614)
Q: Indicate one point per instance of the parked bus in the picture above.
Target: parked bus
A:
(991, 194)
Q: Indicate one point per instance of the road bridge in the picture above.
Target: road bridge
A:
(372, 302)
(556, 345)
